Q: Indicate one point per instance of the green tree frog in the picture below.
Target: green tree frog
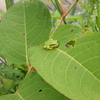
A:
(50, 44)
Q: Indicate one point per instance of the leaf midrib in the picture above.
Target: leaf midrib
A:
(25, 34)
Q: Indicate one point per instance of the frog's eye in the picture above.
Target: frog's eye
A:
(52, 44)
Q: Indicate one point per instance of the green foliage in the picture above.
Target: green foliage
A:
(98, 16)
(74, 71)
(68, 71)
(11, 71)
(34, 87)
(24, 24)
(9, 3)
(87, 16)
(10, 76)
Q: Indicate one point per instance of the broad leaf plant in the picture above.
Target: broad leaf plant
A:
(60, 63)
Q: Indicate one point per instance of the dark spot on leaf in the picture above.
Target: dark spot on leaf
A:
(72, 30)
(75, 67)
(40, 90)
(43, 95)
(24, 33)
(34, 43)
(42, 80)
(70, 36)
(28, 39)
(17, 85)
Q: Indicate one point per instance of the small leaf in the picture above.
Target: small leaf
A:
(34, 88)
(7, 83)
(98, 21)
(11, 72)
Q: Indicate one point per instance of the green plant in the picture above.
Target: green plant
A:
(9, 3)
(68, 71)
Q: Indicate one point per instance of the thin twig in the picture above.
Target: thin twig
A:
(63, 16)
(53, 3)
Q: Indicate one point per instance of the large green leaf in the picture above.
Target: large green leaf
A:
(33, 87)
(25, 24)
(73, 71)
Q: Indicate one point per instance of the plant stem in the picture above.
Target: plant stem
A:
(53, 3)
(9, 3)
(63, 16)
(57, 5)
